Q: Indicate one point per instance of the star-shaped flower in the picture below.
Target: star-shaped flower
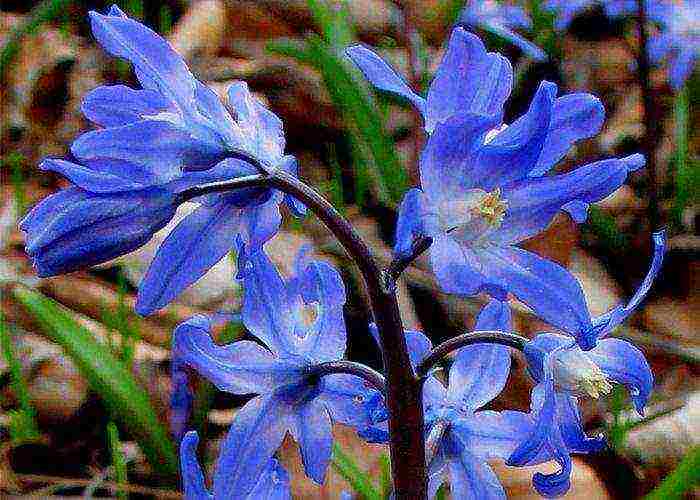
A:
(299, 324)
(154, 143)
(564, 372)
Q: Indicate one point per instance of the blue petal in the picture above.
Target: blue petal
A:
(383, 76)
(472, 478)
(469, 80)
(74, 229)
(116, 105)
(449, 163)
(533, 203)
(212, 109)
(114, 178)
(480, 371)
(192, 475)
(157, 66)
(261, 130)
(547, 288)
(625, 364)
(456, 267)
(417, 343)
(574, 117)
(197, 243)
(681, 64)
(347, 398)
(255, 434)
(163, 147)
(324, 339)
(513, 153)
(415, 219)
(242, 367)
(273, 484)
(537, 349)
(572, 429)
(313, 431)
(291, 166)
(606, 323)
(180, 402)
(267, 312)
(490, 434)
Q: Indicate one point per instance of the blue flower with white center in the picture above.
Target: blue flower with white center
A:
(502, 20)
(483, 191)
(299, 324)
(155, 142)
(273, 483)
(460, 439)
(564, 372)
(678, 42)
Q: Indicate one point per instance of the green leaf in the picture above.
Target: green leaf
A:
(682, 480)
(385, 478)
(118, 458)
(23, 427)
(108, 377)
(359, 480)
(687, 185)
(361, 114)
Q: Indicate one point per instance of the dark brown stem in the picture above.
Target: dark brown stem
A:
(375, 378)
(399, 264)
(650, 138)
(403, 390)
(479, 337)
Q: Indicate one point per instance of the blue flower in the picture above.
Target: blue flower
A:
(502, 20)
(273, 483)
(679, 40)
(483, 191)
(299, 324)
(468, 80)
(155, 142)
(567, 10)
(564, 372)
(460, 439)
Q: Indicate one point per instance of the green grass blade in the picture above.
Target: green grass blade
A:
(359, 480)
(687, 185)
(108, 377)
(118, 459)
(23, 427)
(683, 479)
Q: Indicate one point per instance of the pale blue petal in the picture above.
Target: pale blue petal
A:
(255, 434)
(416, 218)
(242, 367)
(197, 243)
(273, 484)
(625, 364)
(480, 371)
(471, 478)
(116, 178)
(192, 475)
(381, 75)
(469, 80)
(313, 431)
(572, 429)
(157, 66)
(574, 117)
(537, 349)
(116, 105)
(490, 434)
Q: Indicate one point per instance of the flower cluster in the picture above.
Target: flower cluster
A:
(486, 186)
(153, 143)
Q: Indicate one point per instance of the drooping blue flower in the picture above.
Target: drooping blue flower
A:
(564, 372)
(502, 20)
(566, 10)
(460, 438)
(468, 80)
(483, 191)
(273, 483)
(299, 324)
(678, 42)
(155, 142)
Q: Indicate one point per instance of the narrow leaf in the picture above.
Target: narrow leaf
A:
(108, 377)
(359, 480)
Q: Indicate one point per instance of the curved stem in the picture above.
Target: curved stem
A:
(375, 378)
(399, 264)
(478, 337)
(403, 390)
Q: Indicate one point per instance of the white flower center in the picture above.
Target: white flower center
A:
(474, 215)
(574, 371)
